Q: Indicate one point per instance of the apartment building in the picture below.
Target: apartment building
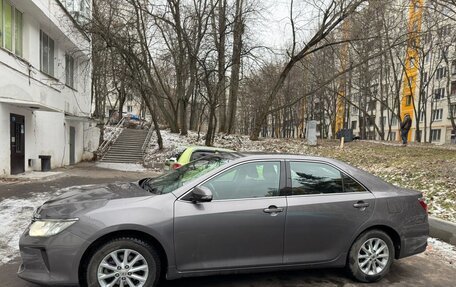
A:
(428, 86)
(45, 84)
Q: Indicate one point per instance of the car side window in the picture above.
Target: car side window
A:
(314, 178)
(350, 185)
(318, 178)
(199, 154)
(249, 180)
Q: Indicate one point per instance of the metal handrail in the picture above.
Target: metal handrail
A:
(109, 141)
(147, 140)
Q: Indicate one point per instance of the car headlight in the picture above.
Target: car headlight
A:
(49, 227)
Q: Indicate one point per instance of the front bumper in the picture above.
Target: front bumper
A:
(51, 261)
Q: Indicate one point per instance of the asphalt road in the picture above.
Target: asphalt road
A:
(422, 270)
(427, 269)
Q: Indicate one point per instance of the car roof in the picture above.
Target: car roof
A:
(209, 148)
(266, 155)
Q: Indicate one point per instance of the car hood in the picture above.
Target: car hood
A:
(81, 199)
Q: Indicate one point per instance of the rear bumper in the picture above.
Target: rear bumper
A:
(50, 261)
(414, 240)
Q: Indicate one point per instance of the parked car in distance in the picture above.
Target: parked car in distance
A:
(192, 153)
(221, 215)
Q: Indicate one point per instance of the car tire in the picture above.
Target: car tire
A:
(372, 247)
(147, 267)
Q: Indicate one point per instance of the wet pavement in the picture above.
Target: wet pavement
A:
(420, 270)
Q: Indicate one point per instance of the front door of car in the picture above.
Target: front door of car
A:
(325, 209)
(242, 226)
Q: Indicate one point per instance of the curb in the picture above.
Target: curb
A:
(443, 230)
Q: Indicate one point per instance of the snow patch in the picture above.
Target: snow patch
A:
(122, 166)
(443, 250)
(15, 216)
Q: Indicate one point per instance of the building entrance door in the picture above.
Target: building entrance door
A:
(17, 143)
(72, 143)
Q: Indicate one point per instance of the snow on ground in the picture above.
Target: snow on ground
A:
(443, 250)
(424, 167)
(122, 166)
(15, 216)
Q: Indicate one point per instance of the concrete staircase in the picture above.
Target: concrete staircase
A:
(127, 148)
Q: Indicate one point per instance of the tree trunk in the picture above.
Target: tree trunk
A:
(238, 31)
(221, 64)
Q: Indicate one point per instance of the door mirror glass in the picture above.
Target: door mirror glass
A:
(201, 194)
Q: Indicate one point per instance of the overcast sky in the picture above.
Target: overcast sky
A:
(274, 28)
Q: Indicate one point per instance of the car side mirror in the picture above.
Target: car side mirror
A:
(201, 194)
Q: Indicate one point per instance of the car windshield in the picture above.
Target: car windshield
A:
(173, 180)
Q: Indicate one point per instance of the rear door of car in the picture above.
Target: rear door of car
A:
(243, 226)
(326, 208)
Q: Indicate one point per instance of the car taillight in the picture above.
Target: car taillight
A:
(176, 165)
(423, 204)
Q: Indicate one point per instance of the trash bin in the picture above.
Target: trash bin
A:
(45, 162)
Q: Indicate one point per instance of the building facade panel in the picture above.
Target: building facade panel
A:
(45, 78)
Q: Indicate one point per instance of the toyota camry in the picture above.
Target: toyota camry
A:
(225, 214)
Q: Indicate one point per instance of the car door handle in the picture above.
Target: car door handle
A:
(361, 204)
(273, 210)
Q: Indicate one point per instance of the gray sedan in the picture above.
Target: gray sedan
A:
(221, 215)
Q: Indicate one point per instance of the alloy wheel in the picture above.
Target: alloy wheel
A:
(373, 256)
(123, 268)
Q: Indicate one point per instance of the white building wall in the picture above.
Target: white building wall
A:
(23, 85)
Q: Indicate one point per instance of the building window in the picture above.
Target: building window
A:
(129, 109)
(46, 54)
(453, 88)
(7, 25)
(18, 33)
(422, 115)
(353, 125)
(372, 105)
(444, 31)
(383, 121)
(394, 120)
(453, 110)
(437, 115)
(453, 67)
(425, 77)
(443, 53)
(439, 93)
(408, 100)
(440, 73)
(371, 120)
(427, 38)
(10, 28)
(69, 71)
(79, 9)
(435, 135)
